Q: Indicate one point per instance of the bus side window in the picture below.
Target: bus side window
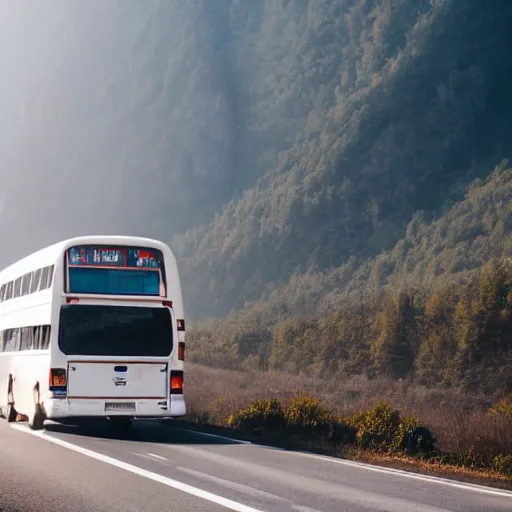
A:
(25, 284)
(2, 292)
(16, 339)
(50, 276)
(32, 340)
(9, 290)
(36, 278)
(44, 279)
(2, 341)
(25, 338)
(45, 343)
(11, 342)
(17, 287)
(36, 335)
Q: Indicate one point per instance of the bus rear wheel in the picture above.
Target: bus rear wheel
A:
(10, 414)
(36, 419)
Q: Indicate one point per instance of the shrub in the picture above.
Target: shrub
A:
(383, 428)
(266, 414)
(419, 440)
(380, 428)
(307, 417)
(343, 432)
(503, 464)
(414, 437)
(377, 428)
(464, 459)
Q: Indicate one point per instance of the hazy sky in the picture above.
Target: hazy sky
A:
(101, 125)
(56, 180)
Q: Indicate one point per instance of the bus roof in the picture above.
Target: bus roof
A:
(50, 254)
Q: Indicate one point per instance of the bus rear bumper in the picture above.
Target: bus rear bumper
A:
(56, 409)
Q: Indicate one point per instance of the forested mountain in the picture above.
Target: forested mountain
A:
(407, 103)
(305, 158)
(437, 307)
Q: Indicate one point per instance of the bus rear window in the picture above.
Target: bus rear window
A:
(115, 270)
(115, 331)
(114, 282)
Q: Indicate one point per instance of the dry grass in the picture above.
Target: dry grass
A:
(459, 420)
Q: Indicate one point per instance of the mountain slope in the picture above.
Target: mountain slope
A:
(283, 137)
(437, 307)
(430, 119)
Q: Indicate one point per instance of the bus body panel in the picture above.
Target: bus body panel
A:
(173, 406)
(33, 365)
(28, 370)
(117, 379)
(91, 387)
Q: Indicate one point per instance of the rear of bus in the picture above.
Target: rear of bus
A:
(120, 327)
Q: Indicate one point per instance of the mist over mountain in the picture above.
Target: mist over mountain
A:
(265, 139)
(118, 116)
(410, 104)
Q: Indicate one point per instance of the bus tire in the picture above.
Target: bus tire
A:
(11, 413)
(36, 420)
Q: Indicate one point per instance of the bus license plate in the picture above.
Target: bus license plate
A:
(119, 406)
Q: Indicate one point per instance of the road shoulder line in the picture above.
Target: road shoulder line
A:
(169, 482)
(371, 467)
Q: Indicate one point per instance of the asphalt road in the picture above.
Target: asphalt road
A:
(162, 468)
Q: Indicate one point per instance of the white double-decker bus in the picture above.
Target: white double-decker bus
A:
(92, 327)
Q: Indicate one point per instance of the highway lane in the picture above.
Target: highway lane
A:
(160, 467)
(36, 476)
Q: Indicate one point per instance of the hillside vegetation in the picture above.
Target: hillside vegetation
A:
(404, 103)
(331, 173)
(436, 308)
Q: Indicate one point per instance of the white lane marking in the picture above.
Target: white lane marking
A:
(148, 456)
(143, 455)
(159, 457)
(300, 483)
(414, 476)
(169, 482)
(380, 469)
(251, 491)
(257, 493)
(238, 441)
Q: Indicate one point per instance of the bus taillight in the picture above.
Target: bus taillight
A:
(57, 378)
(167, 303)
(177, 383)
(181, 351)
